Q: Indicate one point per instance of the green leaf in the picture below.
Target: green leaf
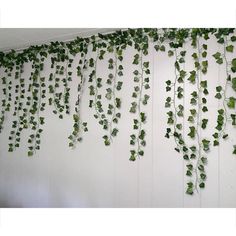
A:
(204, 109)
(143, 117)
(234, 83)
(215, 135)
(179, 126)
(204, 54)
(189, 173)
(193, 101)
(205, 63)
(233, 65)
(190, 167)
(218, 96)
(162, 48)
(177, 150)
(146, 64)
(230, 48)
(204, 123)
(190, 184)
(114, 132)
(177, 66)
(203, 176)
(194, 94)
(233, 117)
(193, 112)
(202, 185)
(221, 111)
(201, 167)
(233, 38)
(216, 143)
(189, 191)
(194, 55)
(30, 153)
(219, 61)
(133, 155)
(192, 77)
(234, 150)
(206, 144)
(231, 102)
(141, 152)
(191, 134)
(225, 136)
(217, 55)
(203, 84)
(218, 89)
(136, 59)
(170, 53)
(193, 148)
(204, 160)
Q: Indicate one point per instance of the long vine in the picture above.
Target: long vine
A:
(141, 77)
(198, 100)
(62, 64)
(108, 118)
(79, 126)
(15, 134)
(6, 89)
(225, 113)
(36, 88)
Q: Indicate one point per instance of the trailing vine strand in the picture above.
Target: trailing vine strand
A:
(37, 105)
(31, 96)
(199, 99)
(79, 126)
(6, 101)
(15, 134)
(228, 103)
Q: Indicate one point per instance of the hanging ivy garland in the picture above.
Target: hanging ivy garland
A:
(227, 112)
(30, 97)
(6, 85)
(17, 127)
(79, 126)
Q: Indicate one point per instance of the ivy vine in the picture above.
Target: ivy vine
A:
(79, 126)
(225, 114)
(6, 88)
(31, 96)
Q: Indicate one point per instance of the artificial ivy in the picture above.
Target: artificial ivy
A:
(227, 112)
(18, 122)
(6, 89)
(79, 126)
(33, 95)
(141, 78)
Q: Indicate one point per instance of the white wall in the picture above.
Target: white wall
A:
(93, 175)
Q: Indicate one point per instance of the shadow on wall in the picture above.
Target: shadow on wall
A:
(5, 204)
(38, 196)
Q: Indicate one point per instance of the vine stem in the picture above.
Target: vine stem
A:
(114, 98)
(81, 84)
(18, 103)
(225, 89)
(80, 91)
(54, 89)
(3, 110)
(199, 113)
(66, 77)
(38, 108)
(139, 101)
(96, 87)
(174, 101)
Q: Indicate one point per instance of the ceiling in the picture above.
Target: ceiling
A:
(23, 38)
